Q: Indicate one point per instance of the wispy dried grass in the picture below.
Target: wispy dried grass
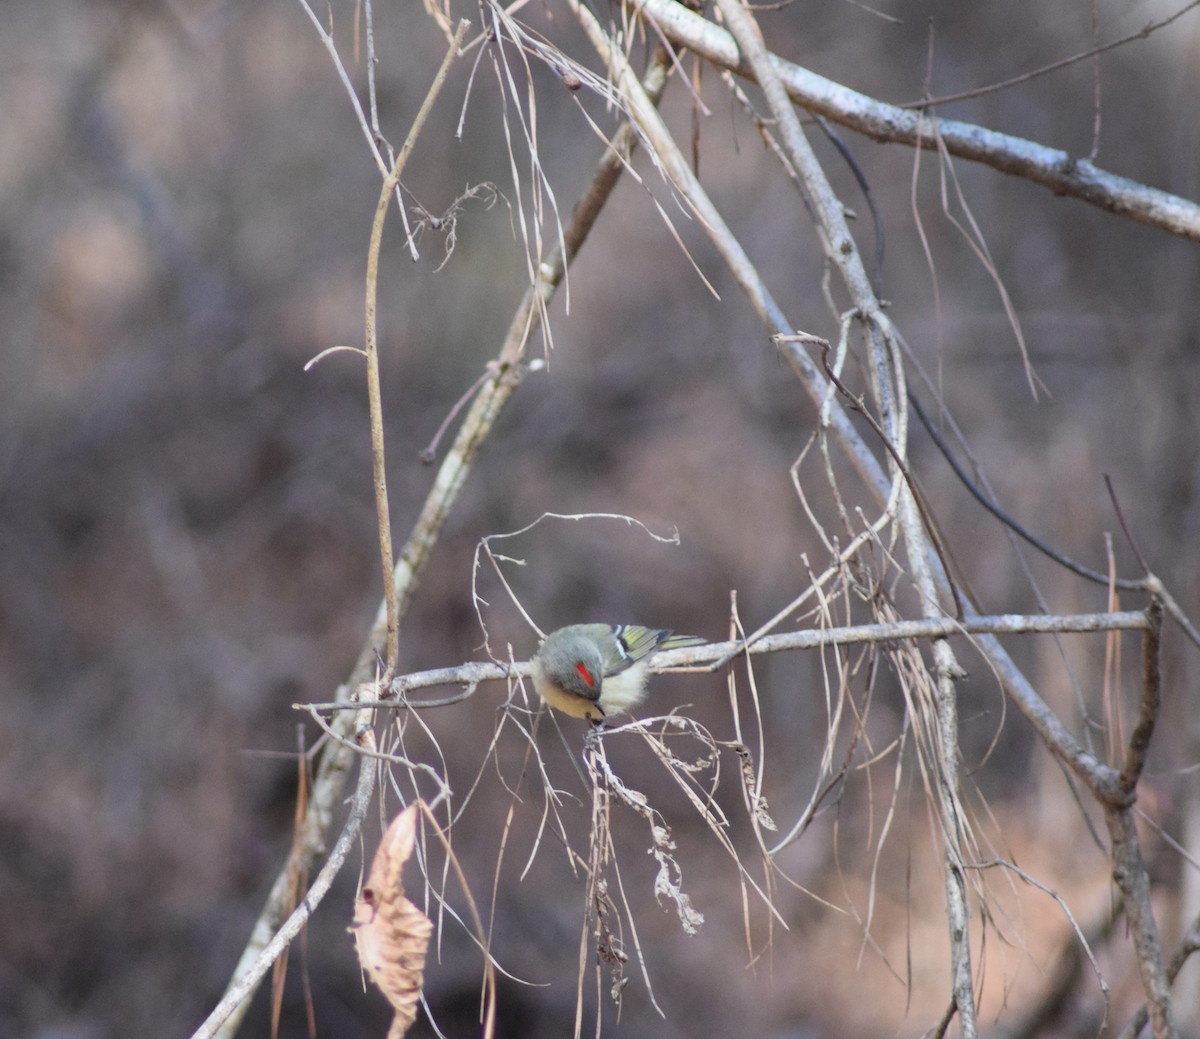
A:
(882, 569)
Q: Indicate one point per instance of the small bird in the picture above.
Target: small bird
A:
(594, 671)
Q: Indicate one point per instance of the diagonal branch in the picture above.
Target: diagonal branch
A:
(226, 1015)
(1099, 777)
(887, 379)
(338, 758)
(1049, 167)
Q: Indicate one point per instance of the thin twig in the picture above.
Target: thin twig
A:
(338, 757)
(1092, 52)
(374, 394)
(337, 760)
(344, 76)
(1128, 584)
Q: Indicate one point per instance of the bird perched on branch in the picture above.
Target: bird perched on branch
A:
(594, 671)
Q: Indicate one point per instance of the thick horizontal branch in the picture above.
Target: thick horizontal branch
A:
(1052, 168)
(718, 652)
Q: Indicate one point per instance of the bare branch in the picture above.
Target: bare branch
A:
(263, 948)
(374, 394)
(1050, 167)
(1128, 864)
(1133, 881)
(887, 384)
(719, 653)
(1092, 52)
(1139, 740)
(677, 169)
(338, 759)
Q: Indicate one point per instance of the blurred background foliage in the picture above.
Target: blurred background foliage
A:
(187, 540)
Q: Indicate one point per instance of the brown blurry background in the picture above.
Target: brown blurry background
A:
(187, 539)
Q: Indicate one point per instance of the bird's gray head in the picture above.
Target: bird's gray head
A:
(573, 662)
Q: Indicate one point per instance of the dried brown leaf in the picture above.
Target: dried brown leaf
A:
(391, 933)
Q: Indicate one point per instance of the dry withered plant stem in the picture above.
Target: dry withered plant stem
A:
(275, 928)
(740, 48)
(888, 399)
(269, 938)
